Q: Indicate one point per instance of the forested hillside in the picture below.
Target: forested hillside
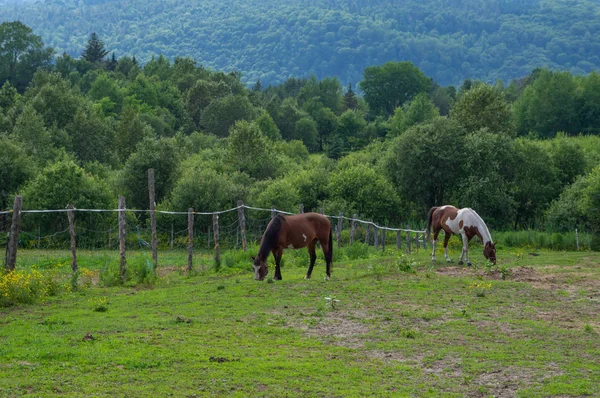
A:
(272, 40)
(85, 130)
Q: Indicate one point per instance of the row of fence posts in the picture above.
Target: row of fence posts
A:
(11, 249)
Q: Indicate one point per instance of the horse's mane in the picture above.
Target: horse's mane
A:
(269, 239)
(485, 232)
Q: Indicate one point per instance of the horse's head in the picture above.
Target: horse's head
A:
(260, 269)
(489, 251)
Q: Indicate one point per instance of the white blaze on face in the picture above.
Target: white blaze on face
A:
(304, 236)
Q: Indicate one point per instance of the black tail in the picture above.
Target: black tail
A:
(429, 218)
(329, 257)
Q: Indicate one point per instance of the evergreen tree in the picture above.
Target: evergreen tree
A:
(94, 51)
(350, 100)
(112, 64)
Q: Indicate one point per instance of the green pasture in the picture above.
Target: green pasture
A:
(386, 324)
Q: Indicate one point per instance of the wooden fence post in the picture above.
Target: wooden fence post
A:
(216, 235)
(71, 217)
(417, 241)
(172, 235)
(13, 240)
(353, 228)
(408, 238)
(190, 248)
(122, 237)
(425, 240)
(376, 237)
(383, 236)
(367, 233)
(273, 212)
(339, 230)
(398, 239)
(301, 208)
(153, 217)
(242, 220)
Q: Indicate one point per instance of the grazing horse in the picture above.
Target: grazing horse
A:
(294, 232)
(465, 222)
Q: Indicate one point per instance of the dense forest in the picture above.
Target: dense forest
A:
(450, 41)
(85, 129)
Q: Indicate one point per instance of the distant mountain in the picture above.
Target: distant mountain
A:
(450, 40)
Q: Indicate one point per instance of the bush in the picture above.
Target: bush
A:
(22, 287)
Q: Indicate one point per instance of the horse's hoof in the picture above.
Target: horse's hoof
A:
(327, 277)
(307, 277)
(448, 260)
(469, 264)
(275, 278)
(460, 263)
(433, 259)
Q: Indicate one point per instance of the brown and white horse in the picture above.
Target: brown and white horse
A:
(464, 222)
(294, 232)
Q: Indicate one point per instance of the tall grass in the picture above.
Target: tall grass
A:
(546, 240)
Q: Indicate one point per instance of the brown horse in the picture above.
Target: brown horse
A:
(465, 222)
(294, 232)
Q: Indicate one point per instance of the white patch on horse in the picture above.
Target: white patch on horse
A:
(304, 236)
(290, 246)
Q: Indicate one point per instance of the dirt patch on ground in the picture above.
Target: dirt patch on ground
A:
(504, 383)
(454, 271)
(339, 326)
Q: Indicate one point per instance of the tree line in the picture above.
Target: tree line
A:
(272, 40)
(85, 129)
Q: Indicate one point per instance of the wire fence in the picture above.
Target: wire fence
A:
(98, 229)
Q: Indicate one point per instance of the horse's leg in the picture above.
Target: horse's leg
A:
(313, 258)
(446, 239)
(465, 249)
(328, 259)
(434, 243)
(277, 253)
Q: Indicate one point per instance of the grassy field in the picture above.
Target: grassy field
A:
(393, 326)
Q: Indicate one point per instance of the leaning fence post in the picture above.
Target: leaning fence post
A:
(122, 237)
(153, 217)
(353, 228)
(242, 219)
(216, 236)
(190, 247)
(339, 230)
(71, 218)
(408, 238)
(577, 239)
(13, 240)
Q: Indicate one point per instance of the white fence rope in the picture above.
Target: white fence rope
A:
(216, 212)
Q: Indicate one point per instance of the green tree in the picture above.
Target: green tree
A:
(92, 136)
(548, 105)
(536, 182)
(33, 136)
(200, 95)
(222, 113)
(306, 131)
(352, 129)
(15, 169)
(489, 173)
(160, 155)
(389, 86)
(483, 106)
(268, 127)
(280, 194)
(249, 151)
(94, 50)
(420, 110)
(350, 101)
(426, 163)
(130, 131)
(62, 183)
(21, 54)
(106, 87)
(327, 123)
(368, 192)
